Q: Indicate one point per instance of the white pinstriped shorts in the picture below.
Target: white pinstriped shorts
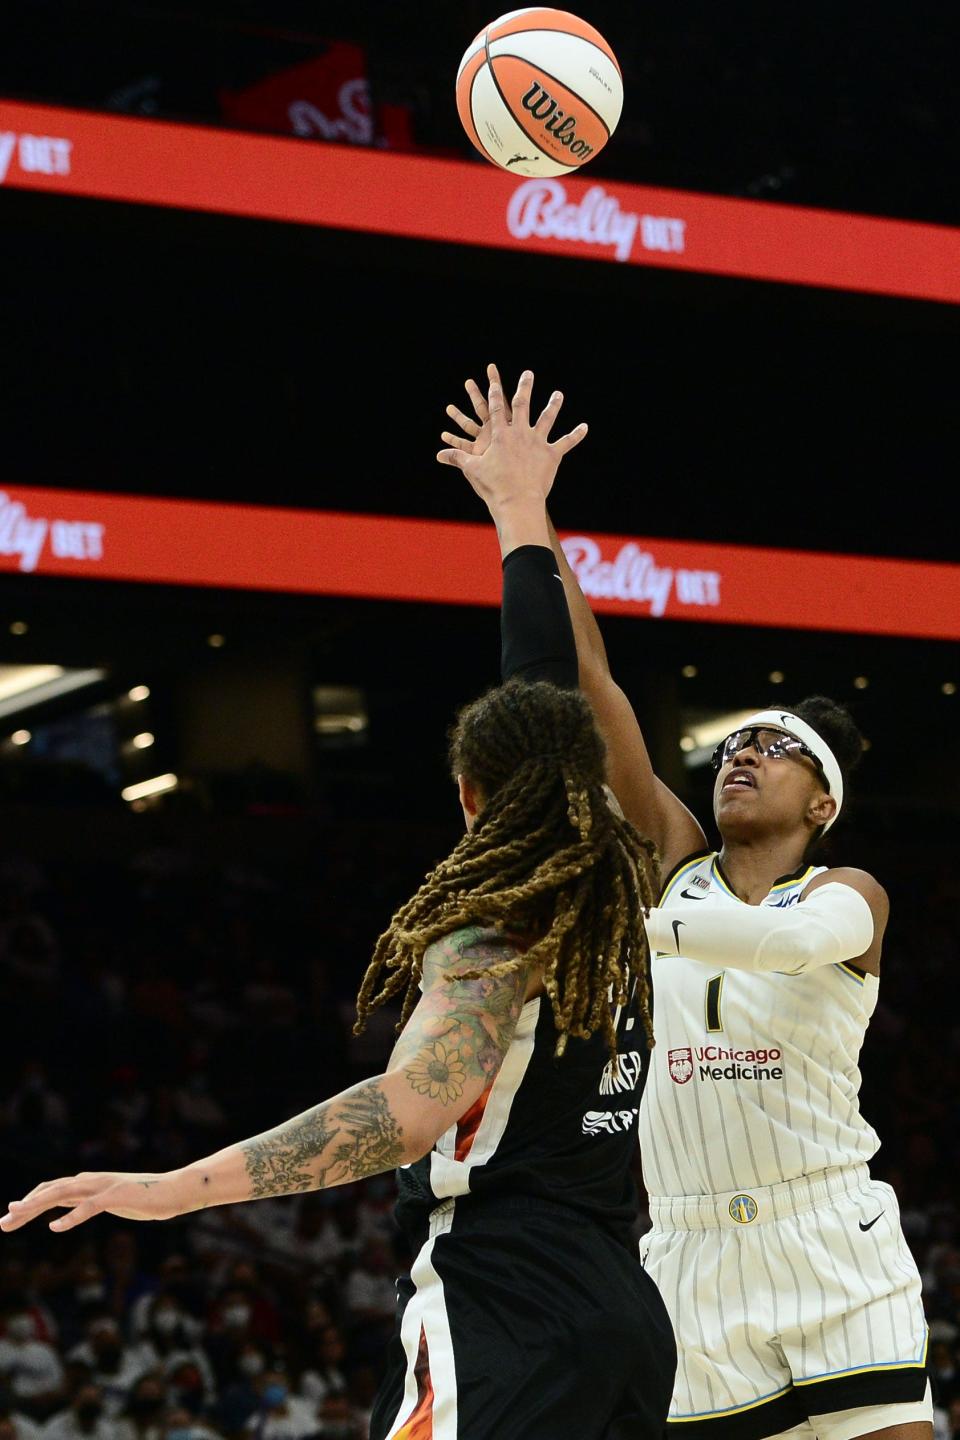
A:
(789, 1301)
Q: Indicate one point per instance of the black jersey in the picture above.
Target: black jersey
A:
(561, 1129)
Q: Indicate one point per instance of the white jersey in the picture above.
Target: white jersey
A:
(754, 1079)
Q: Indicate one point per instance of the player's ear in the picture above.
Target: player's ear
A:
(469, 800)
(822, 808)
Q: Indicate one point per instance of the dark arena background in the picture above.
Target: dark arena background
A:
(247, 256)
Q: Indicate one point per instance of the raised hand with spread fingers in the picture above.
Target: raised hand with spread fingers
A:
(510, 462)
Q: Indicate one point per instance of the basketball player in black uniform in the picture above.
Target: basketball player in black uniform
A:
(510, 1103)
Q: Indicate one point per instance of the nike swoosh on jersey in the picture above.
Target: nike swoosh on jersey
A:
(690, 895)
(675, 927)
(870, 1223)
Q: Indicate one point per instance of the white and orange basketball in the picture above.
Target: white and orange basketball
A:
(539, 92)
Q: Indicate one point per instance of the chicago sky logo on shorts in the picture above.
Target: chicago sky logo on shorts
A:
(681, 1065)
(743, 1209)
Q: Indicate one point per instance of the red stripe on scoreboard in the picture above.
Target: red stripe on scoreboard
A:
(247, 547)
(153, 162)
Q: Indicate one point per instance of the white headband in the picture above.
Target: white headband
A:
(784, 720)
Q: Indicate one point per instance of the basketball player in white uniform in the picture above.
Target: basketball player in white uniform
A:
(795, 1300)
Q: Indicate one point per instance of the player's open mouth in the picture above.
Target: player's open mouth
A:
(743, 778)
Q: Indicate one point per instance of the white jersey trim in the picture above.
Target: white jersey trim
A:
(450, 1176)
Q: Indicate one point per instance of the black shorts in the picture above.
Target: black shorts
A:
(523, 1320)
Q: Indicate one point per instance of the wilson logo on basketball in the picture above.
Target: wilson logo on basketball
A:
(680, 1064)
(562, 127)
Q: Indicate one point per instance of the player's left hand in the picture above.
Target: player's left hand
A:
(501, 453)
(101, 1192)
(476, 427)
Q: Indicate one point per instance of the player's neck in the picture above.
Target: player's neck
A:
(753, 867)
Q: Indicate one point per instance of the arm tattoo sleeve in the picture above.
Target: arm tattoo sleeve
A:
(461, 1029)
(345, 1139)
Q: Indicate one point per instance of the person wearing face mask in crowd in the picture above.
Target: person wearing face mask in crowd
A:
(280, 1416)
(23, 1289)
(83, 1418)
(230, 1331)
(239, 1397)
(40, 1285)
(186, 1387)
(169, 1347)
(144, 1415)
(112, 1365)
(325, 1376)
(82, 1302)
(303, 1335)
(31, 1367)
(264, 1315)
(177, 1284)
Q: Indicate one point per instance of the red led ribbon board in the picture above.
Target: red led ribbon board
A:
(181, 542)
(153, 162)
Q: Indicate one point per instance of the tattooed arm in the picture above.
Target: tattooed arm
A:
(455, 1040)
(449, 1053)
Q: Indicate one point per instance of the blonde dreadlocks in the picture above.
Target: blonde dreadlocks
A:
(548, 859)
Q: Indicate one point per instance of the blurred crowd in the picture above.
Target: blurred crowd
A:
(172, 998)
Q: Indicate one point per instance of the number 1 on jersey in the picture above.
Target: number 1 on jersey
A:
(714, 987)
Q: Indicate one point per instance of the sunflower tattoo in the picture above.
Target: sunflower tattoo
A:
(438, 1072)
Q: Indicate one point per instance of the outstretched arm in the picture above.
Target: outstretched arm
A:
(514, 478)
(644, 798)
(840, 917)
(450, 1051)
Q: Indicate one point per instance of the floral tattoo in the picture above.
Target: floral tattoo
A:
(438, 1072)
(462, 1028)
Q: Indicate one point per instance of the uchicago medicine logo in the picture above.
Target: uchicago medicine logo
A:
(764, 1063)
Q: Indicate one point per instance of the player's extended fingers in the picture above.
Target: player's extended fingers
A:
(457, 458)
(493, 376)
(521, 400)
(49, 1196)
(499, 419)
(566, 443)
(548, 415)
(477, 399)
(77, 1215)
(44, 1185)
(468, 426)
(457, 441)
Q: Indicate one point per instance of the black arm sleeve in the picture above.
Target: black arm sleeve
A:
(536, 632)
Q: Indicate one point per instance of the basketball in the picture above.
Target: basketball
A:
(539, 92)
